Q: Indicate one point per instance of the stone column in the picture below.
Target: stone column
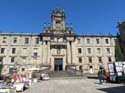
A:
(43, 52)
(68, 53)
(73, 52)
(48, 52)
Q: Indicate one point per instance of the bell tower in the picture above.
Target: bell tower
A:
(58, 20)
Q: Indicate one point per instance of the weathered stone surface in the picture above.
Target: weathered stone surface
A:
(75, 86)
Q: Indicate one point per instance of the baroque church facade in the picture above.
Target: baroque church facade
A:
(57, 47)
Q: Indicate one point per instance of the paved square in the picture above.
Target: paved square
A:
(75, 86)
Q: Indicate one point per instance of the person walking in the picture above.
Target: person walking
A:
(100, 76)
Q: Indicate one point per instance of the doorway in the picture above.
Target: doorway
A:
(58, 64)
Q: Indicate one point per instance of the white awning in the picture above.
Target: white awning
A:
(37, 69)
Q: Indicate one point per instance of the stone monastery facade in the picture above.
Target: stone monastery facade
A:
(57, 47)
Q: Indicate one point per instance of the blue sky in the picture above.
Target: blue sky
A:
(87, 16)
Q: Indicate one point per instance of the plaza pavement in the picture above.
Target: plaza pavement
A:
(75, 86)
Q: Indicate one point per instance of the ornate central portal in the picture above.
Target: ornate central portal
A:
(58, 64)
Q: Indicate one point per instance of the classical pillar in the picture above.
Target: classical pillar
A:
(48, 52)
(68, 53)
(44, 52)
(71, 51)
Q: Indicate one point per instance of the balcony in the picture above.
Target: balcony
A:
(63, 43)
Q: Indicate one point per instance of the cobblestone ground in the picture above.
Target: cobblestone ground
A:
(75, 86)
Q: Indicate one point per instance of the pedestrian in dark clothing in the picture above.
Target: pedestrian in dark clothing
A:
(100, 76)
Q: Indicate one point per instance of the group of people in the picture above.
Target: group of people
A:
(103, 76)
(18, 78)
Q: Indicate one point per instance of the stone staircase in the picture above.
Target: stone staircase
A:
(63, 74)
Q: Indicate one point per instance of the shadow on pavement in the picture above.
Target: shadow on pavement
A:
(119, 89)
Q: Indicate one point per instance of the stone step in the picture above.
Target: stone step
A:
(63, 78)
(62, 74)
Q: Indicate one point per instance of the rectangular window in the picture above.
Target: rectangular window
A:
(37, 40)
(88, 41)
(108, 50)
(89, 50)
(26, 40)
(79, 50)
(97, 41)
(80, 68)
(80, 60)
(12, 59)
(79, 41)
(90, 59)
(109, 59)
(106, 41)
(1, 59)
(11, 70)
(15, 40)
(46, 42)
(35, 54)
(100, 59)
(2, 50)
(13, 50)
(4, 39)
(99, 50)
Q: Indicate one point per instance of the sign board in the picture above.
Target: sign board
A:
(111, 69)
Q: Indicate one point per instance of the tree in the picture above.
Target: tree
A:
(118, 53)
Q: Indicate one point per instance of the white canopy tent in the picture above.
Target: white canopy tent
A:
(37, 69)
